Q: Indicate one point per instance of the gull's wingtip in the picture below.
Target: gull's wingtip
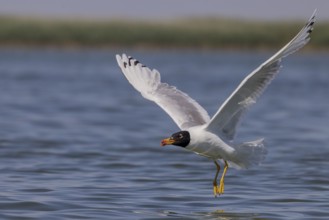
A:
(312, 19)
(119, 60)
(309, 25)
(118, 57)
(313, 15)
(122, 56)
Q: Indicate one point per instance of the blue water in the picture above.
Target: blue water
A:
(78, 142)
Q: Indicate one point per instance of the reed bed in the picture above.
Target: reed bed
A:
(208, 33)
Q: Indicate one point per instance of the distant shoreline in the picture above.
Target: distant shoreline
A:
(193, 33)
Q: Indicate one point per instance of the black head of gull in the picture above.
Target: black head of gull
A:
(181, 139)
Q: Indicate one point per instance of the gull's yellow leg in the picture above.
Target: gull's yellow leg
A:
(221, 183)
(215, 180)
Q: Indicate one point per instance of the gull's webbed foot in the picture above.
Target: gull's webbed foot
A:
(219, 190)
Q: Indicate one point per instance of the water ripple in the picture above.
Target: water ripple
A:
(77, 142)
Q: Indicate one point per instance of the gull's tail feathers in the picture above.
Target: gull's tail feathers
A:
(248, 154)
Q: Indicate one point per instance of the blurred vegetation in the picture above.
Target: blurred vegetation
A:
(208, 33)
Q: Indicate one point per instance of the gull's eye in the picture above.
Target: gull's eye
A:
(180, 136)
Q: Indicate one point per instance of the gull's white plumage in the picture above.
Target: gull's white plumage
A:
(212, 137)
(228, 115)
(182, 109)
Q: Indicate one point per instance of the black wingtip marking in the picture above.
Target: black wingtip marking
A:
(129, 60)
(309, 31)
(310, 24)
(132, 61)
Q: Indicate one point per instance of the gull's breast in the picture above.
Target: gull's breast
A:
(208, 144)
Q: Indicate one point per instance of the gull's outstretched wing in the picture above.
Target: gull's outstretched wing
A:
(180, 107)
(226, 119)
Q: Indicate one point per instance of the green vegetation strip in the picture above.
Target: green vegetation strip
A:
(205, 33)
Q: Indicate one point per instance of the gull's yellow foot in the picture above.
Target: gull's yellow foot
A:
(221, 182)
(221, 187)
(217, 190)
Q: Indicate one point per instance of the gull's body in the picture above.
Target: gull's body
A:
(208, 144)
(213, 137)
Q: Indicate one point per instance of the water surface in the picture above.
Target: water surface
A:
(78, 142)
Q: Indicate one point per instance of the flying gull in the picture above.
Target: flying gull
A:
(213, 137)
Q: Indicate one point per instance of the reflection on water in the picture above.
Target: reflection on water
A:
(78, 142)
(222, 215)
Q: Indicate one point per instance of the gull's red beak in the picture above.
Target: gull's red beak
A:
(167, 141)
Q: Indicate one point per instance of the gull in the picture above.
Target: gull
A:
(213, 137)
